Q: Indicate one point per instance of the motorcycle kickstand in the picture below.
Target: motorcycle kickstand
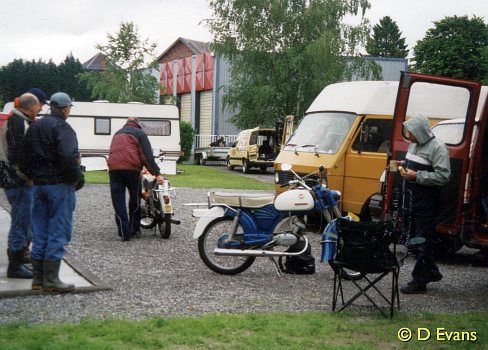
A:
(276, 266)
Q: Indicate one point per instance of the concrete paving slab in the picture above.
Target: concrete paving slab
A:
(70, 272)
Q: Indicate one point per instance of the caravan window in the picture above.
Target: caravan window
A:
(102, 126)
(156, 127)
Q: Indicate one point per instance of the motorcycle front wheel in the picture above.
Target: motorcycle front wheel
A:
(148, 220)
(209, 240)
(165, 226)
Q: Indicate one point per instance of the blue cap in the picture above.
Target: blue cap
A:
(60, 99)
(41, 96)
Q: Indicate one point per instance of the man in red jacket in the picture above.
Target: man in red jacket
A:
(130, 150)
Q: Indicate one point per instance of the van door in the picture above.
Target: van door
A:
(441, 99)
(365, 161)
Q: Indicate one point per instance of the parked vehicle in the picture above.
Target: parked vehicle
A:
(237, 228)
(348, 129)
(258, 147)
(156, 207)
(463, 218)
(95, 124)
(216, 151)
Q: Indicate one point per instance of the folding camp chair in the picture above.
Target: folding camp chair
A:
(364, 247)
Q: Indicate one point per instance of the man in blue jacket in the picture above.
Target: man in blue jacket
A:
(130, 150)
(52, 162)
(426, 169)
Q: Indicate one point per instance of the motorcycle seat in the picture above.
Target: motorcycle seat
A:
(244, 200)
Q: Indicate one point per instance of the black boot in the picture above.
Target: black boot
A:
(16, 268)
(37, 281)
(51, 281)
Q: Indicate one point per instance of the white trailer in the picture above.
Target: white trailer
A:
(95, 123)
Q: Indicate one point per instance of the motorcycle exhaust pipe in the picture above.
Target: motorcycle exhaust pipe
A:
(176, 222)
(258, 252)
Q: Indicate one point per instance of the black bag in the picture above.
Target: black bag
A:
(303, 264)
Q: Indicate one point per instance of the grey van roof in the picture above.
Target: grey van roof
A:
(379, 97)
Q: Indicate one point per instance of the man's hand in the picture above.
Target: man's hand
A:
(408, 174)
(159, 179)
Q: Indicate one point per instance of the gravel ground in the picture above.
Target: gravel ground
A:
(155, 277)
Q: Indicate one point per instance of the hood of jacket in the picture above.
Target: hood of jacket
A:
(420, 128)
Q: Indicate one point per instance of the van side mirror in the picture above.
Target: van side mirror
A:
(363, 137)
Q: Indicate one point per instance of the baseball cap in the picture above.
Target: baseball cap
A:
(60, 99)
(41, 96)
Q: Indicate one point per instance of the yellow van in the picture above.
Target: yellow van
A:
(258, 147)
(348, 129)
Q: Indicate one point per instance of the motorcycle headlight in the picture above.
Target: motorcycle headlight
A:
(277, 177)
(324, 182)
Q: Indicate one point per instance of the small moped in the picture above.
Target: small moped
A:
(235, 229)
(156, 207)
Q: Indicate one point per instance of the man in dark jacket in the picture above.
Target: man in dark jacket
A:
(130, 150)
(18, 188)
(52, 162)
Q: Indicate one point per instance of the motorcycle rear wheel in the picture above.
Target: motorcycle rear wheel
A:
(165, 226)
(208, 241)
(148, 221)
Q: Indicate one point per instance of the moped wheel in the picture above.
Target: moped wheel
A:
(229, 166)
(165, 226)
(209, 240)
(148, 220)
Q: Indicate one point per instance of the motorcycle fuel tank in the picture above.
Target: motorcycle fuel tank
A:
(294, 200)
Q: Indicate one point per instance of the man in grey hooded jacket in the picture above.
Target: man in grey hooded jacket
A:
(426, 169)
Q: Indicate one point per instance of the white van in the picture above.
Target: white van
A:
(95, 123)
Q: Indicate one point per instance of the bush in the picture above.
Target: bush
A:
(187, 136)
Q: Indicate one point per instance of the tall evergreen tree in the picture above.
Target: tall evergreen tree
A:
(387, 40)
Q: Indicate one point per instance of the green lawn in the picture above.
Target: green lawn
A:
(197, 176)
(251, 331)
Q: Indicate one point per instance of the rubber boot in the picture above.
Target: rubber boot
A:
(51, 281)
(37, 281)
(16, 268)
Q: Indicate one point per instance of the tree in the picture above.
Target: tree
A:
(129, 62)
(20, 76)
(456, 47)
(284, 52)
(386, 40)
(187, 133)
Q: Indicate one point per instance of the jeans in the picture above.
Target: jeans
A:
(21, 200)
(119, 181)
(425, 266)
(52, 218)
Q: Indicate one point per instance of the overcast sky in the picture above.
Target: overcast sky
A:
(52, 29)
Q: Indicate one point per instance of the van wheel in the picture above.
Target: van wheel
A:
(196, 161)
(245, 166)
(229, 166)
(372, 208)
(203, 161)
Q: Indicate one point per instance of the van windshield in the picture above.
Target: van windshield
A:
(322, 132)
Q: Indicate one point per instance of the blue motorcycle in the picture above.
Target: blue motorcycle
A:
(234, 229)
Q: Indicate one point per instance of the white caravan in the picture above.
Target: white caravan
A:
(95, 124)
